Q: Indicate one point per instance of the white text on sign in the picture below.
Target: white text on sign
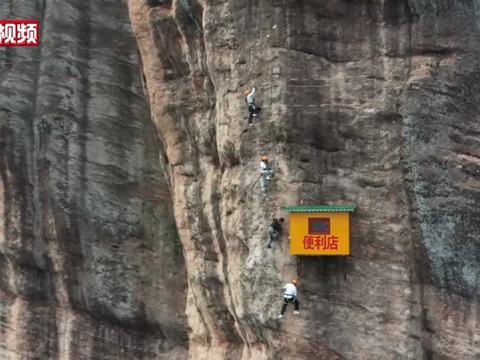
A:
(18, 32)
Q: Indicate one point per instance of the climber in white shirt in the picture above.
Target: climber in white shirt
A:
(250, 96)
(265, 172)
(253, 108)
(290, 296)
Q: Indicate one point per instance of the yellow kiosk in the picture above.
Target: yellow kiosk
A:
(320, 230)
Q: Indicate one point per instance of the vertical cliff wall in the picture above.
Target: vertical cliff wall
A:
(90, 262)
(376, 105)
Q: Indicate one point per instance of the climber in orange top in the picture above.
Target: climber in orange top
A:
(290, 296)
(253, 109)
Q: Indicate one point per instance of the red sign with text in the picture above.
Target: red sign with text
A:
(320, 242)
(19, 32)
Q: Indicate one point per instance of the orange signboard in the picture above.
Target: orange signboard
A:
(323, 233)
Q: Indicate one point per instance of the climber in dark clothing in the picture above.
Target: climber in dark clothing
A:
(274, 231)
(253, 109)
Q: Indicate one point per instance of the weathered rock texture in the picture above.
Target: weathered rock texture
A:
(376, 105)
(90, 266)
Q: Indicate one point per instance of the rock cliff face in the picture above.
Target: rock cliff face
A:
(104, 185)
(376, 104)
(90, 263)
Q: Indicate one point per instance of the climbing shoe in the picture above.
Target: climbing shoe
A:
(268, 246)
(296, 312)
(280, 316)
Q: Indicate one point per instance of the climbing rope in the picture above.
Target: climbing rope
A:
(284, 257)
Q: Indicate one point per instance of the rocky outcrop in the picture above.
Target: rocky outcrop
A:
(90, 262)
(376, 105)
